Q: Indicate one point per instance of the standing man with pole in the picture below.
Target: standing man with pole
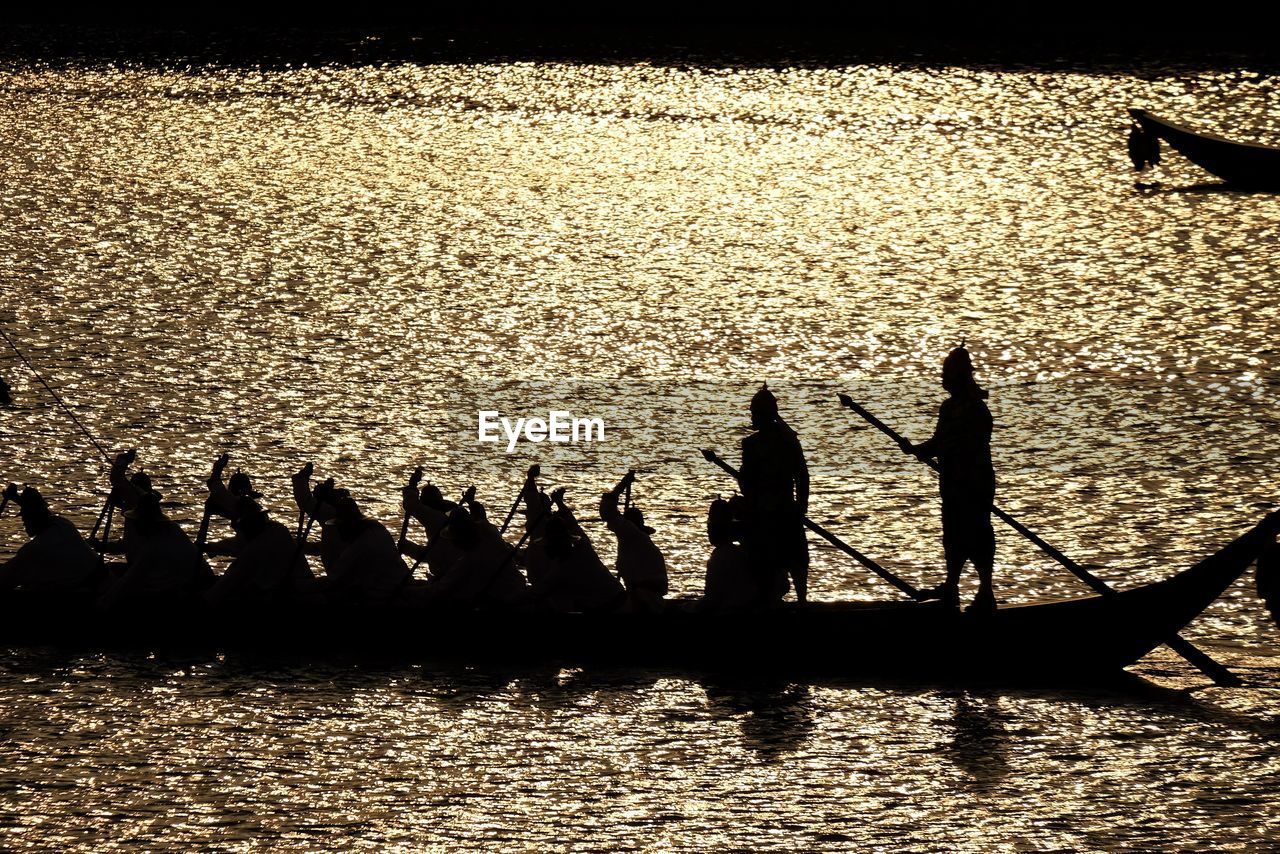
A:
(962, 444)
(774, 480)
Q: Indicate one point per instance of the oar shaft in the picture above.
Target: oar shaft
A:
(515, 505)
(106, 533)
(902, 585)
(300, 548)
(426, 550)
(1198, 659)
(55, 395)
(202, 536)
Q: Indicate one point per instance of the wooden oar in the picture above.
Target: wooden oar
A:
(102, 514)
(426, 550)
(106, 534)
(534, 471)
(904, 586)
(1196, 657)
(202, 536)
(325, 488)
(404, 524)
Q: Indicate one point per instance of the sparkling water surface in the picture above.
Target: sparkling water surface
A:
(344, 264)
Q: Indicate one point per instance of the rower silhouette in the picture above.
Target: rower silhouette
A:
(361, 558)
(57, 560)
(640, 564)
(730, 585)
(774, 479)
(6, 397)
(962, 444)
(162, 566)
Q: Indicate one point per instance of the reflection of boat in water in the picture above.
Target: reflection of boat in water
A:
(1244, 164)
(1063, 640)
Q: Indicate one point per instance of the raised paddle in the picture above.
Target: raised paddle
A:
(202, 535)
(102, 514)
(106, 534)
(1197, 658)
(320, 494)
(414, 479)
(904, 586)
(426, 550)
(534, 471)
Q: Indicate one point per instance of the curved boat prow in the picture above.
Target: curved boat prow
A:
(1246, 164)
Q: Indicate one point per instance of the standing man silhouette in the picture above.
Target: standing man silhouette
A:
(962, 444)
(774, 479)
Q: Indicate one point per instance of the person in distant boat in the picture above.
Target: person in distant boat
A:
(263, 570)
(6, 394)
(161, 562)
(361, 558)
(56, 560)
(565, 572)
(731, 585)
(774, 479)
(640, 563)
(962, 444)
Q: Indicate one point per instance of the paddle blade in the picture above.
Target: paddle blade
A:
(1268, 579)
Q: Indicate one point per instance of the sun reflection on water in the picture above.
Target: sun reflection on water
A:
(342, 264)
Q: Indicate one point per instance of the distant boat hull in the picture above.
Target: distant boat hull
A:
(1239, 163)
(1063, 641)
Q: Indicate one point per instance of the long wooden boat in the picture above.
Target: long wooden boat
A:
(1244, 164)
(1058, 641)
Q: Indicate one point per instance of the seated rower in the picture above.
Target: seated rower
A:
(731, 585)
(57, 559)
(640, 563)
(564, 569)
(266, 568)
(6, 397)
(224, 498)
(161, 562)
(485, 573)
(430, 508)
(361, 560)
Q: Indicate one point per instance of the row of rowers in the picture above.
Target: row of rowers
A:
(469, 563)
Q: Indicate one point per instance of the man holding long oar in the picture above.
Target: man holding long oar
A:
(962, 444)
(774, 480)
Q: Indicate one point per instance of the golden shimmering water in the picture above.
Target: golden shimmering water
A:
(345, 264)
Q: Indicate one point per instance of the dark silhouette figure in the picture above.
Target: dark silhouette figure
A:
(431, 509)
(471, 565)
(565, 571)
(262, 570)
(57, 560)
(731, 585)
(962, 444)
(774, 479)
(640, 563)
(224, 498)
(6, 396)
(162, 566)
(361, 558)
